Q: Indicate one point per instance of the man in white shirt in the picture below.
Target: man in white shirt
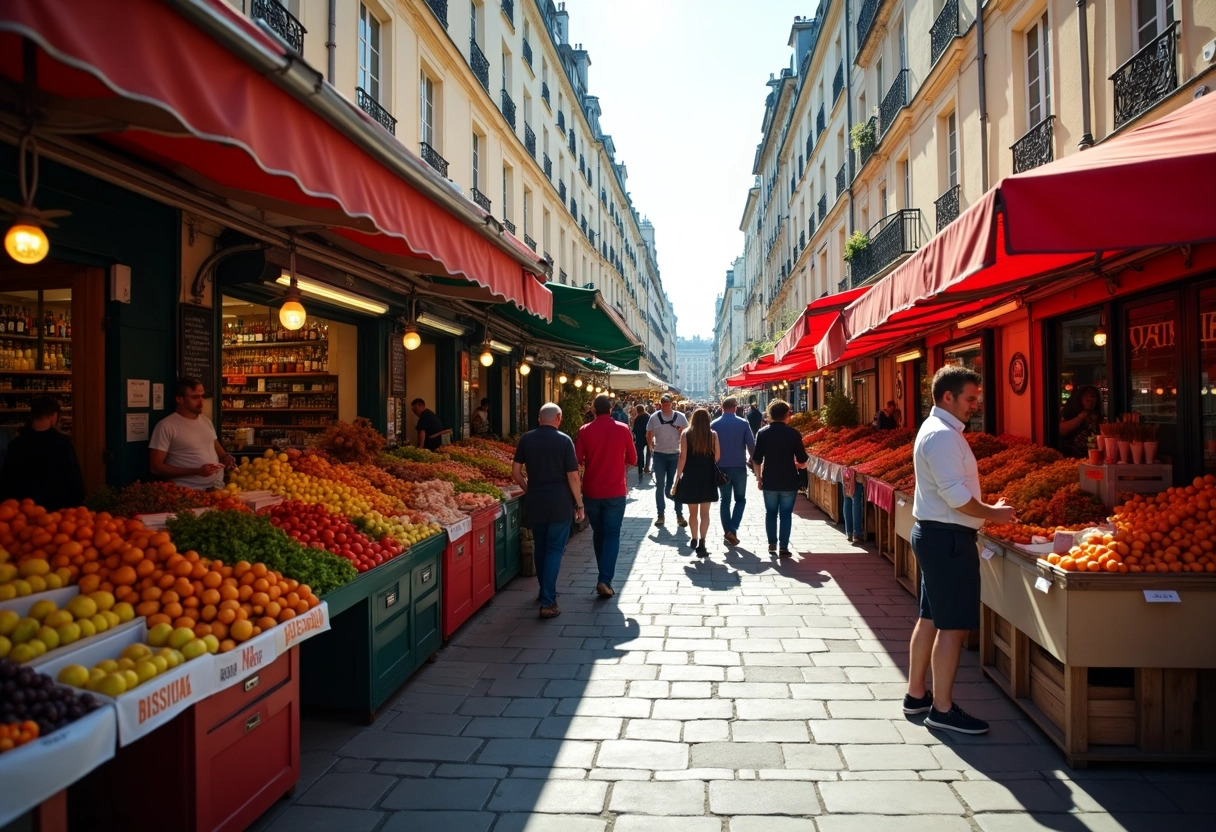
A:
(949, 510)
(184, 447)
(663, 438)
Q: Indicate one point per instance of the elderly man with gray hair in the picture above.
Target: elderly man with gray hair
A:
(546, 468)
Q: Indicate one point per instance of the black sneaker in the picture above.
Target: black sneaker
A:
(955, 719)
(918, 706)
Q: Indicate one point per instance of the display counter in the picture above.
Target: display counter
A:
(384, 625)
(506, 543)
(1112, 667)
(468, 569)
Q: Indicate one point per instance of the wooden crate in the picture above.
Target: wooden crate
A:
(883, 524)
(826, 496)
(1130, 714)
(907, 570)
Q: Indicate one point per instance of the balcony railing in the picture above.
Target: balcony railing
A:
(823, 207)
(1035, 148)
(482, 200)
(947, 207)
(479, 63)
(865, 20)
(1147, 77)
(508, 108)
(508, 8)
(821, 122)
(867, 150)
(281, 22)
(548, 164)
(527, 50)
(572, 144)
(573, 206)
(544, 92)
(529, 242)
(440, 8)
(432, 158)
(838, 82)
(810, 143)
(891, 237)
(561, 275)
(372, 107)
(507, 224)
(561, 121)
(894, 101)
(944, 30)
(561, 191)
(529, 140)
(810, 226)
(842, 179)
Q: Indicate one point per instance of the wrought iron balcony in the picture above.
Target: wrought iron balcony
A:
(867, 150)
(508, 8)
(282, 22)
(842, 179)
(944, 30)
(838, 82)
(548, 165)
(561, 191)
(561, 121)
(508, 108)
(582, 163)
(544, 92)
(1035, 148)
(865, 20)
(432, 158)
(507, 224)
(370, 106)
(482, 200)
(573, 206)
(440, 8)
(529, 140)
(479, 63)
(823, 207)
(529, 242)
(591, 236)
(588, 176)
(801, 165)
(561, 275)
(801, 239)
(527, 53)
(894, 101)
(890, 238)
(573, 147)
(1147, 77)
(947, 207)
(821, 122)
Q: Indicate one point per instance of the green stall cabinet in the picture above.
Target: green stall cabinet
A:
(506, 543)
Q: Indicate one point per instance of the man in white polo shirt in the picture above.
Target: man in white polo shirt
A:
(949, 509)
(663, 436)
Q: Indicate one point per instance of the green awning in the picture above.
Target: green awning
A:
(583, 322)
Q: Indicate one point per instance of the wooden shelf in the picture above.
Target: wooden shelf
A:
(22, 391)
(278, 393)
(35, 372)
(332, 410)
(284, 375)
(53, 339)
(276, 344)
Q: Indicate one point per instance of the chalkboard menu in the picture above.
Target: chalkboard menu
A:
(196, 351)
(396, 366)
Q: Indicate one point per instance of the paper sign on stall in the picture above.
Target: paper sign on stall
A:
(294, 630)
(246, 659)
(459, 529)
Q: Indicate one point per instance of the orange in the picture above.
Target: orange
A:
(241, 630)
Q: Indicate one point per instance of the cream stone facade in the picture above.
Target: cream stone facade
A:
(695, 366)
(494, 96)
(730, 333)
(1057, 76)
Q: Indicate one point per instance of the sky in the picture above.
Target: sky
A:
(681, 84)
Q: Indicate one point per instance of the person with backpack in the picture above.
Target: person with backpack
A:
(663, 433)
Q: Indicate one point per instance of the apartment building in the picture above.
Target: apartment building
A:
(730, 334)
(492, 95)
(695, 366)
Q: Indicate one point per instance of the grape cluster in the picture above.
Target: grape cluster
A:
(28, 694)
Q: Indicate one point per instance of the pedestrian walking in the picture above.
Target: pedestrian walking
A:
(663, 433)
(546, 468)
(778, 455)
(605, 447)
(754, 417)
(736, 443)
(695, 476)
(640, 418)
(949, 509)
(618, 413)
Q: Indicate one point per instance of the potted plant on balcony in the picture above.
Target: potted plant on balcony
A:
(861, 135)
(855, 245)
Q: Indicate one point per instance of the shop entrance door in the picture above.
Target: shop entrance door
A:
(53, 344)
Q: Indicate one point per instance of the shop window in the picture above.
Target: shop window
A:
(973, 355)
(1080, 364)
(1207, 377)
(35, 356)
(1038, 72)
(1153, 359)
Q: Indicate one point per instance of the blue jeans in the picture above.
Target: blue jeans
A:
(548, 545)
(854, 511)
(736, 486)
(664, 466)
(605, 514)
(779, 504)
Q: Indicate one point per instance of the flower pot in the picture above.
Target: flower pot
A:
(1125, 451)
(1137, 453)
(1150, 453)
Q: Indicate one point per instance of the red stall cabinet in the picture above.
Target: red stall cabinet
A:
(456, 577)
(483, 555)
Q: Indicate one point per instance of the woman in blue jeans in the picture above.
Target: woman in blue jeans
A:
(778, 456)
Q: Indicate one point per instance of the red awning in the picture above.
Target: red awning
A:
(190, 104)
(1154, 186)
(808, 330)
(767, 370)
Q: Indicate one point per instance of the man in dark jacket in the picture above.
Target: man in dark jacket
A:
(41, 463)
(778, 455)
(755, 418)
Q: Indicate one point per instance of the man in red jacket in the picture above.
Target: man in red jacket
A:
(605, 447)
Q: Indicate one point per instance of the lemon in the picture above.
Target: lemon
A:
(68, 633)
(145, 669)
(125, 663)
(194, 648)
(100, 622)
(57, 618)
(8, 622)
(131, 676)
(108, 665)
(112, 684)
(136, 651)
(158, 636)
(162, 663)
(53, 581)
(180, 636)
(8, 571)
(22, 653)
(87, 628)
(124, 611)
(82, 606)
(37, 583)
(37, 645)
(112, 617)
(49, 636)
(76, 675)
(25, 630)
(41, 609)
(213, 643)
(5, 646)
(103, 599)
(33, 566)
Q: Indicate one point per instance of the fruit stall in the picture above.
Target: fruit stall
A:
(164, 623)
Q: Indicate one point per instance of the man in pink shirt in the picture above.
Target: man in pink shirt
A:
(605, 447)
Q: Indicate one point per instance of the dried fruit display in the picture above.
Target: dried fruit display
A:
(356, 441)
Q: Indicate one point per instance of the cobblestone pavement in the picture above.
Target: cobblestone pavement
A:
(737, 694)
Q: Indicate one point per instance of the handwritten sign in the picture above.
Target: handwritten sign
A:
(396, 366)
(1162, 596)
(196, 348)
(987, 553)
(1043, 584)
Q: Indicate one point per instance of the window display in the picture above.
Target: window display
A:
(35, 354)
(970, 354)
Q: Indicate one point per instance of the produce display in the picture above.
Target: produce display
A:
(157, 498)
(27, 696)
(315, 527)
(138, 663)
(47, 626)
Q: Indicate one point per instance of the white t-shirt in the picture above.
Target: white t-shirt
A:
(667, 430)
(188, 443)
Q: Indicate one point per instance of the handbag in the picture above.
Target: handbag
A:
(720, 478)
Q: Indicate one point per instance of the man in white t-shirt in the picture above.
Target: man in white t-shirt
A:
(184, 447)
(663, 437)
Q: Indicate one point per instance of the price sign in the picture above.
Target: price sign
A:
(987, 553)
(1162, 596)
(1043, 584)
(901, 503)
(196, 349)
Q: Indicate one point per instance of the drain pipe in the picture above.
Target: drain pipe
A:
(331, 45)
(980, 60)
(1087, 136)
(848, 109)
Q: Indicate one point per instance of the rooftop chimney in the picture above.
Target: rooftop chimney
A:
(561, 24)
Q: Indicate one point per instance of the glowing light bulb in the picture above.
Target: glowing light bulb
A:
(563, 378)
(26, 243)
(411, 340)
(525, 368)
(487, 357)
(1100, 336)
(291, 314)
(578, 382)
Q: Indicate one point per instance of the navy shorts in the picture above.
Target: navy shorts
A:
(949, 574)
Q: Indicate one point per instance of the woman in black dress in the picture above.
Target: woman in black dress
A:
(695, 482)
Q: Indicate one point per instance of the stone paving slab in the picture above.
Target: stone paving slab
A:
(731, 694)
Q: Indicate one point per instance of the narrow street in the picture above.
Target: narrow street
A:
(737, 694)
